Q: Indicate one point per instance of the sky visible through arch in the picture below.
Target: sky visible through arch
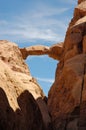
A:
(32, 22)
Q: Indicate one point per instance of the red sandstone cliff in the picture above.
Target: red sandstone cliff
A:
(67, 96)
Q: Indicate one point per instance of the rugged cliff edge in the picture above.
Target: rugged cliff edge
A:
(67, 96)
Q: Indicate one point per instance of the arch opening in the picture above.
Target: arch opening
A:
(44, 70)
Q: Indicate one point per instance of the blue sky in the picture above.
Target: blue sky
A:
(31, 22)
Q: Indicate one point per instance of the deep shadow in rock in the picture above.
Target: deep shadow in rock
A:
(7, 115)
(28, 117)
(30, 114)
(42, 103)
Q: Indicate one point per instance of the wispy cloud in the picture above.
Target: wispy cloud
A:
(69, 2)
(49, 12)
(33, 25)
(45, 80)
(3, 22)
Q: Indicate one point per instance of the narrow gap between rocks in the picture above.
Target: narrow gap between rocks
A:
(43, 69)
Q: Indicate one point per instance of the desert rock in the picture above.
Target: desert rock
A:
(54, 51)
(19, 93)
(67, 96)
(22, 101)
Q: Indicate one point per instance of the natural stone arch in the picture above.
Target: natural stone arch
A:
(55, 51)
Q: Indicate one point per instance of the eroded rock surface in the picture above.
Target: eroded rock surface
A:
(19, 92)
(54, 51)
(67, 96)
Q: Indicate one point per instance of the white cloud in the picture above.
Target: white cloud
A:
(43, 29)
(3, 22)
(31, 33)
(45, 80)
(36, 25)
(49, 12)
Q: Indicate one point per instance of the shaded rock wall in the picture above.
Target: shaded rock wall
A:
(67, 96)
(26, 117)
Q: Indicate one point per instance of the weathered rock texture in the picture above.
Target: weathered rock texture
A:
(54, 51)
(20, 95)
(67, 96)
(21, 99)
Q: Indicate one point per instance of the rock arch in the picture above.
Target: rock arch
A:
(55, 51)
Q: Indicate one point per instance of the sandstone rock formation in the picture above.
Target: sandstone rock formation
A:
(22, 104)
(20, 108)
(67, 96)
(54, 51)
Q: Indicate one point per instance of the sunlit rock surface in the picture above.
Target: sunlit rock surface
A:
(19, 93)
(67, 96)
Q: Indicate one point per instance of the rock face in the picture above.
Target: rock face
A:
(19, 93)
(67, 96)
